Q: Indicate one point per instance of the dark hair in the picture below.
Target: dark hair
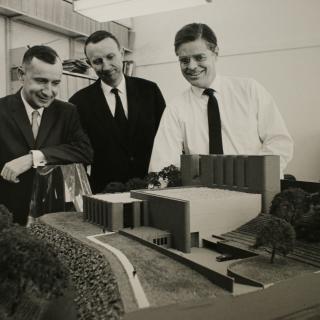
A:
(99, 36)
(43, 53)
(195, 31)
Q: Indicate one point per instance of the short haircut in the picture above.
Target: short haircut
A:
(43, 53)
(195, 31)
(99, 36)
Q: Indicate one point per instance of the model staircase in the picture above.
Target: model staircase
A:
(245, 237)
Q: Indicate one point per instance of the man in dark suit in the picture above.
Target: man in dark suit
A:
(120, 115)
(36, 129)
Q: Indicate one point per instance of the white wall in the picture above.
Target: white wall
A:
(23, 34)
(14, 34)
(3, 66)
(275, 42)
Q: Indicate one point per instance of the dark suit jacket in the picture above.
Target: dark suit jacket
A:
(117, 159)
(60, 138)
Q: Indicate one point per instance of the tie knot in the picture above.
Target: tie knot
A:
(209, 92)
(35, 114)
(115, 91)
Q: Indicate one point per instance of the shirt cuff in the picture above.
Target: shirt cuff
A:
(38, 158)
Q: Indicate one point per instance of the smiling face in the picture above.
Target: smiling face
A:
(40, 82)
(197, 63)
(106, 59)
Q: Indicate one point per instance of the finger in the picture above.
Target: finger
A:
(11, 175)
(3, 171)
(5, 174)
(14, 178)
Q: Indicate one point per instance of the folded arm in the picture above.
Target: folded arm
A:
(75, 149)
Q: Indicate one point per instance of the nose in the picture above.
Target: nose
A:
(49, 90)
(105, 64)
(192, 63)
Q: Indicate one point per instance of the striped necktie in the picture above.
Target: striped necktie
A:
(34, 123)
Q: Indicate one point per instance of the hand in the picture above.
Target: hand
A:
(12, 169)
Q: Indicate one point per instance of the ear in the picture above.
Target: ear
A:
(216, 50)
(122, 53)
(88, 62)
(21, 73)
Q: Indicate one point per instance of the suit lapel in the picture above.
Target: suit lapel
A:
(49, 117)
(103, 115)
(133, 105)
(20, 116)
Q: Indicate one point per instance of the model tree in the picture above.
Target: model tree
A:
(153, 180)
(114, 187)
(136, 184)
(278, 235)
(5, 218)
(290, 205)
(172, 175)
(31, 275)
(314, 227)
(308, 226)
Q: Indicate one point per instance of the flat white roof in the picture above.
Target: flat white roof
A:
(123, 197)
(197, 193)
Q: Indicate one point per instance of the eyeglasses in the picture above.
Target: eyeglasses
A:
(198, 58)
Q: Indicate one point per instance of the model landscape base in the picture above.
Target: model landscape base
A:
(219, 194)
(303, 284)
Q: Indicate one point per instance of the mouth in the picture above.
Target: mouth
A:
(194, 75)
(43, 99)
(108, 73)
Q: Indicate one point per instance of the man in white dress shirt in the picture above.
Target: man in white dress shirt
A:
(244, 118)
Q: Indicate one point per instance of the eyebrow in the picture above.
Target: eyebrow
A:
(193, 55)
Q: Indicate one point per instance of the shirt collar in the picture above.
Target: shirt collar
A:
(28, 108)
(121, 86)
(215, 85)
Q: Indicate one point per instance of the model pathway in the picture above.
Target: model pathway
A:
(138, 291)
(207, 258)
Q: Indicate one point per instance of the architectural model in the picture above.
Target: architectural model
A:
(219, 194)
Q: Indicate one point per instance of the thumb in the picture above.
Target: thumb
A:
(16, 180)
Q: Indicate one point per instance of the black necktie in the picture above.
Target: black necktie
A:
(119, 115)
(215, 138)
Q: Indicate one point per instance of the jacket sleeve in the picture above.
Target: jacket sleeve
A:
(159, 105)
(75, 147)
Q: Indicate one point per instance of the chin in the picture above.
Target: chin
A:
(44, 105)
(196, 83)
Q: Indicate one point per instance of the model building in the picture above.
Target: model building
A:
(230, 191)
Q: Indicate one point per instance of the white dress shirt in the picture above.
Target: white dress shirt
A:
(37, 156)
(111, 99)
(250, 123)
